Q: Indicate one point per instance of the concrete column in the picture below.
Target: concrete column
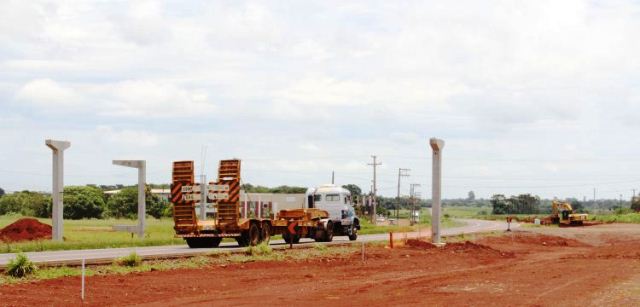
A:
(437, 146)
(141, 165)
(57, 187)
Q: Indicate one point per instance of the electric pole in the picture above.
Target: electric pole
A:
(375, 188)
(402, 172)
(414, 194)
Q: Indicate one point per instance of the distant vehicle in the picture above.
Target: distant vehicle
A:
(337, 201)
(562, 213)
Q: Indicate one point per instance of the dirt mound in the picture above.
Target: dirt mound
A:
(26, 229)
(534, 239)
(463, 247)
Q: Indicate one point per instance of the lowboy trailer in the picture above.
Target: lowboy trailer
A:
(229, 221)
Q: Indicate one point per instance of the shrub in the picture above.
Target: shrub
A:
(132, 260)
(261, 249)
(21, 266)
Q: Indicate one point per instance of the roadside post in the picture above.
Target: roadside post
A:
(57, 188)
(390, 239)
(509, 218)
(82, 290)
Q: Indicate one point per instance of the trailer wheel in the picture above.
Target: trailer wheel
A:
(254, 234)
(203, 242)
(243, 239)
(286, 237)
(265, 235)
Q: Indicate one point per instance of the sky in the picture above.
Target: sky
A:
(538, 97)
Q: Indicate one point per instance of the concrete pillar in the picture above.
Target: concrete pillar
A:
(57, 188)
(141, 165)
(437, 146)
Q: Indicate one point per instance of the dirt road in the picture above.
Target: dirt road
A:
(598, 265)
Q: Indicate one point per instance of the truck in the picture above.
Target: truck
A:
(248, 226)
(337, 202)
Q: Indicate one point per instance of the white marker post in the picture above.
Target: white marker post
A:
(57, 188)
(437, 146)
(141, 165)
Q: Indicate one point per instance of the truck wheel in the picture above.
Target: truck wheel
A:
(296, 239)
(265, 235)
(353, 233)
(243, 239)
(328, 233)
(254, 234)
(215, 242)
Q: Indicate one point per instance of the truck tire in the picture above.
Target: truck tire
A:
(325, 235)
(265, 234)
(353, 233)
(286, 237)
(254, 234)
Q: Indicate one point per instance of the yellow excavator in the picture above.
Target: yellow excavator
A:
(562, 213)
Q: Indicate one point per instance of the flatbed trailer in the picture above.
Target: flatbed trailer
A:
(292, 224)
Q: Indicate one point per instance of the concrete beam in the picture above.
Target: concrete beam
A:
(57, 188)
(436, 145)
(141, 165)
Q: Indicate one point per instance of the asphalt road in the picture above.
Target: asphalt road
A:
(95, 256)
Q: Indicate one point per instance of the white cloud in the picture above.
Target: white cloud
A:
(127, 137)
(48, 93)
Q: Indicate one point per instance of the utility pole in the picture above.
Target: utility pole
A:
(594, 197)
(634, 194)
(402, 172)
(333, 177)
(414, 195)
(375, 188)
(436, 145)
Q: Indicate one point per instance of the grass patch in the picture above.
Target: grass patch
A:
(94, 234)
(21, 266)
(131, 260)
(262, 249)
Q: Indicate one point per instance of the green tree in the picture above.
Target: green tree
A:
(635, 204)
(26, 203)
(83, 202)
(500, 204)
(1, 192)
(354, 189)
(471, 196)
(125, 204)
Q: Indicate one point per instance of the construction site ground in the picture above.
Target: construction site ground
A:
(541, 266)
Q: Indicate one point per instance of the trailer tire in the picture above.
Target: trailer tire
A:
(254, 234)
(265, 234)
(286, 237)
(205, 242)
(243, 239)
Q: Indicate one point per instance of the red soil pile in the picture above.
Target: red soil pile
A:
(533, 239)
(26, 229)
(463, 247)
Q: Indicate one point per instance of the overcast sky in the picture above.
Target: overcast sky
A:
(530, 96)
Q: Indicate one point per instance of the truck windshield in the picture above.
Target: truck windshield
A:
(333, 197)
(317, 197)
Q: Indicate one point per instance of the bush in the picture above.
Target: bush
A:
(26, 203)
(261, 249)
(21, 266)
(83, 202)
(132, 260)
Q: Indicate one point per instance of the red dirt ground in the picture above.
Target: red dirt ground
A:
(25, 229)
(597, 266)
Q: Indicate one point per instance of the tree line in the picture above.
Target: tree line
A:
(85, 202)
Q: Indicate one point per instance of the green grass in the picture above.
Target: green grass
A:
(617, 218)
(425, 221)
(89, 234)
(215, 258)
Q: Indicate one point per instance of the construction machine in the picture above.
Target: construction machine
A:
(562, 213)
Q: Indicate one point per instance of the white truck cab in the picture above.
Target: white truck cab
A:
(337, 201)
